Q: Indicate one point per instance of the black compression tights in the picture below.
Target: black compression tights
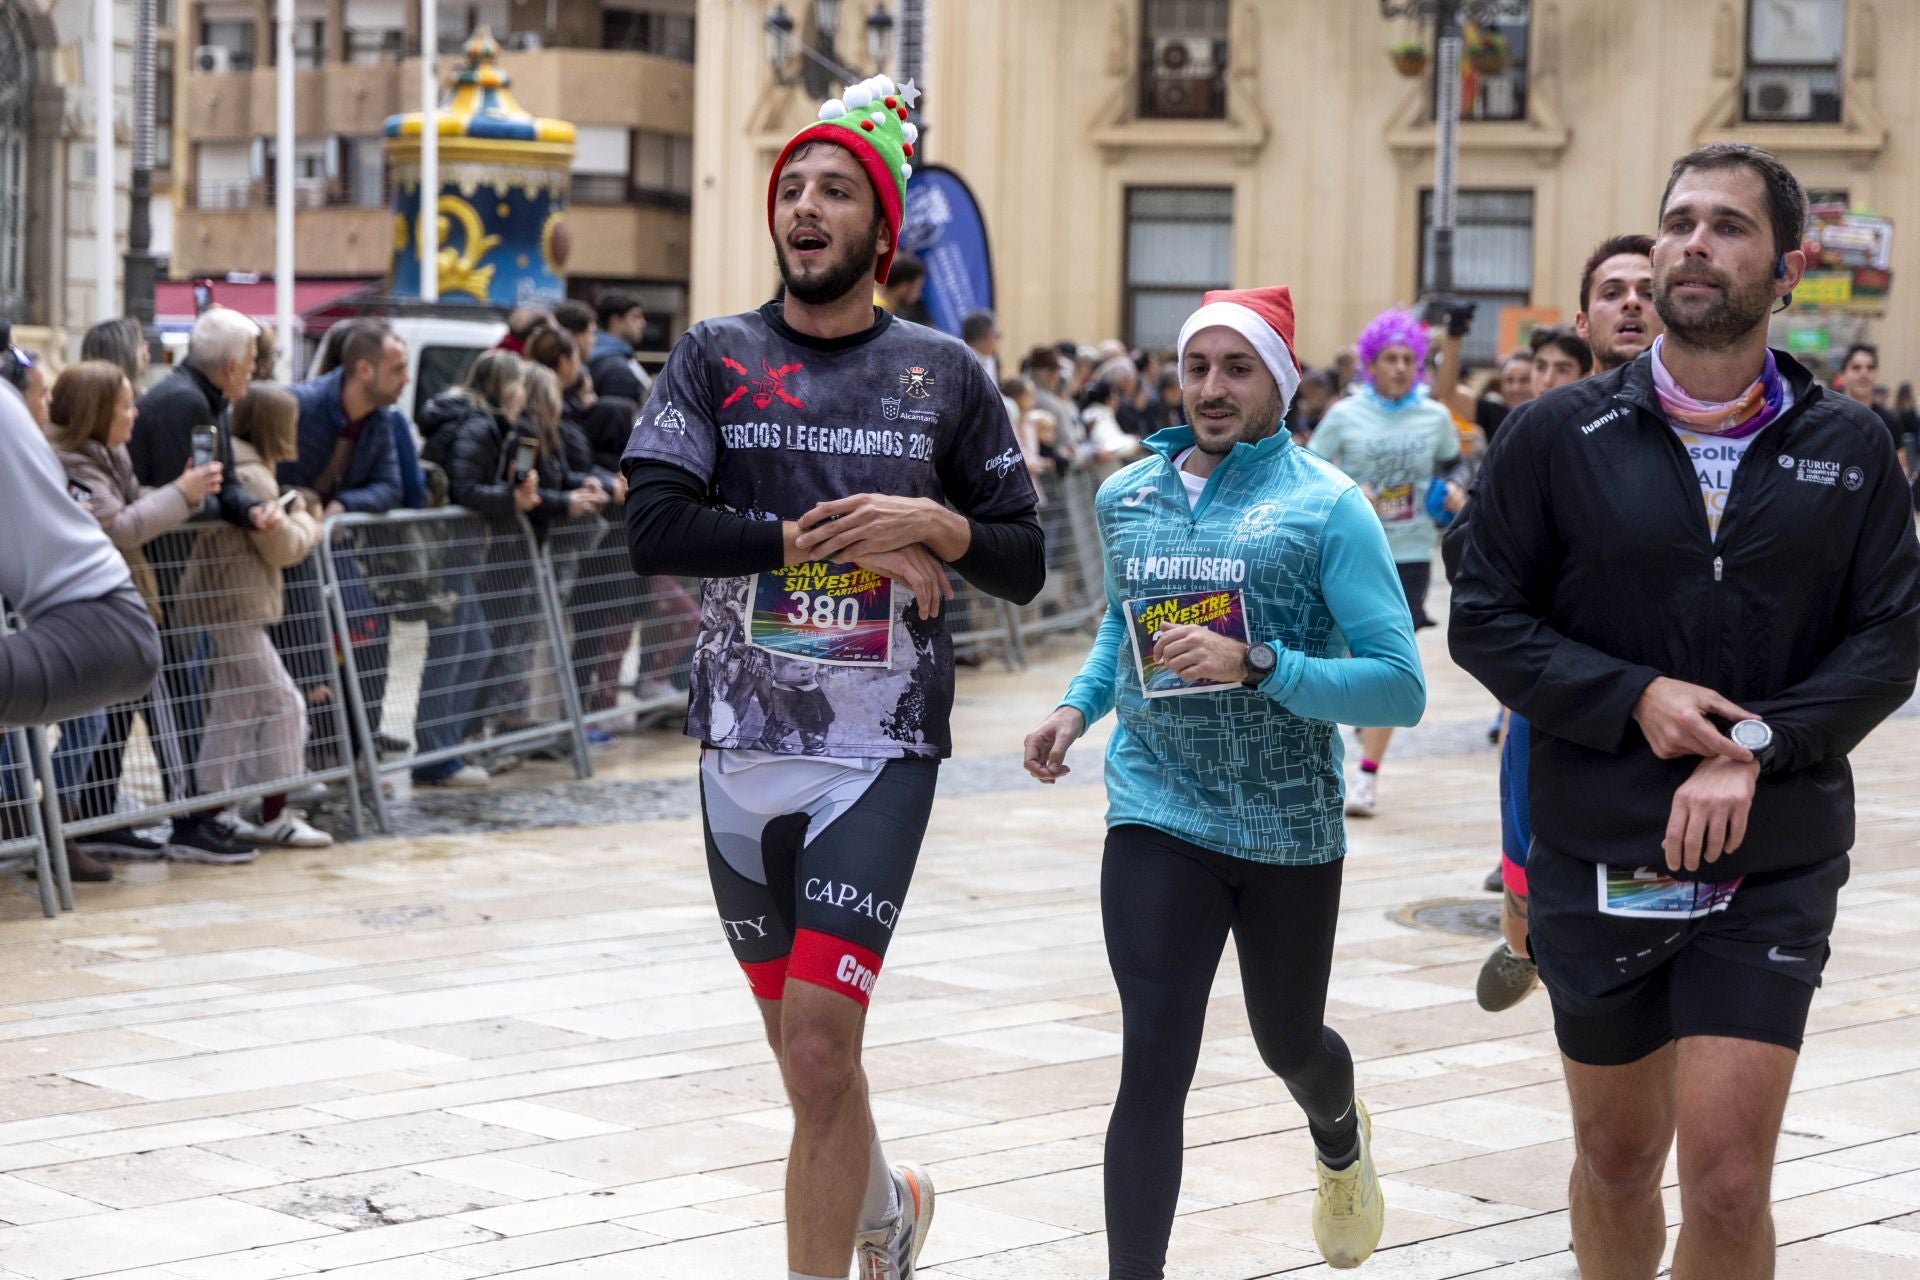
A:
(1167, 906)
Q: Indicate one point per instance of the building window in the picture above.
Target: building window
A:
(1183, 59)
(1794, 49)
(309, 43)
(162, 105)
(231, 34)
(368, 48)
(1179, 245)
(1492, 260)
(665, 35)
(662, 168)
(1496, 88)
(458, 22)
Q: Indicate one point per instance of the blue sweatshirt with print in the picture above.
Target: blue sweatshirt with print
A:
(1256, 775)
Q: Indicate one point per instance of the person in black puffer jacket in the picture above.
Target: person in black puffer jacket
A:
(466, 429)
(606, 599)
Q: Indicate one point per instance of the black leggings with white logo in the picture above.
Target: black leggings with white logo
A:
(1167, 906)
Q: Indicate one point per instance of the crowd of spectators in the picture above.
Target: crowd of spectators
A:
(214, 483)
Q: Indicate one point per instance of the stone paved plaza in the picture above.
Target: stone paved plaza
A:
(528, 1052)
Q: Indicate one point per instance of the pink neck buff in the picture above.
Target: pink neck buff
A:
(1733, 419)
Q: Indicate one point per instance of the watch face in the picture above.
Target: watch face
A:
(1752, 734)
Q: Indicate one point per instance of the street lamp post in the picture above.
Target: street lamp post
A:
(817, 65)
(1447, 16)
(140, 268)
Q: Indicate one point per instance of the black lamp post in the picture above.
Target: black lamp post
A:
(140, 265)
(816, 65)
(1447, 16)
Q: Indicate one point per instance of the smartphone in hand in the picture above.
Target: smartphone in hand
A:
(202, 446)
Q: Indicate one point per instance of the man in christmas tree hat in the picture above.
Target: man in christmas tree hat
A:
(823, 677)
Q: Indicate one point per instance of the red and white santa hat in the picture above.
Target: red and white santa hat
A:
(1264, 317)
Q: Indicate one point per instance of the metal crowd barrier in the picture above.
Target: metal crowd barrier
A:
(246, 706)
(456, 642)
(630, 638)
(1075, 594)
(413, 641)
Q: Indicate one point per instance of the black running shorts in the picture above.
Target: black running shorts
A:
(1416, 576)
(810, 860)
(1623, 985)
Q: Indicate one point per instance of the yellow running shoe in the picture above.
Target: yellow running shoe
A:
(1349, 1212)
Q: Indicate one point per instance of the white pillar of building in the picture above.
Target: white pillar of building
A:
(283, 167)
(106, 301)
(429, 152)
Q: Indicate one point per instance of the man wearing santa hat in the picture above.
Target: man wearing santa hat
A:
(822, 464)
(1252, 606)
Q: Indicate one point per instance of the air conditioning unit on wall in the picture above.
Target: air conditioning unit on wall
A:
(1184, 75)
(212, 59)
(1779, 96)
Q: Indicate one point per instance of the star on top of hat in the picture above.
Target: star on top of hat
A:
(909, 94)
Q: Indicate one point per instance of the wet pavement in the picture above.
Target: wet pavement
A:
(509, 1040)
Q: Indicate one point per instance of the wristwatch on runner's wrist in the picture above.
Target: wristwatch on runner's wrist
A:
(1755, 735)
(1260, 662)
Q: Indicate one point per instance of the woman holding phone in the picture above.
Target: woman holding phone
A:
(91, 415)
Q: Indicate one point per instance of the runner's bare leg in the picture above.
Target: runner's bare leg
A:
(816, 1034)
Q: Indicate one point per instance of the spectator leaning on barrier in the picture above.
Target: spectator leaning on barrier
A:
(616, 370)
(88, 639)
(348, 461)
(553, 349)
(469, 434)
(92, 412)
(196, 396)
(218, 366)
(256, 727)
(347, 425)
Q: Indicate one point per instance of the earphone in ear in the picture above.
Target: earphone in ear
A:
(1780, 267)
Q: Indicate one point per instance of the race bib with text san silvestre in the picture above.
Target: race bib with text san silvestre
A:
(1219, 611)
(825, 611)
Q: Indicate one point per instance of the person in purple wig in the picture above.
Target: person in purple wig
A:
(1392, 439)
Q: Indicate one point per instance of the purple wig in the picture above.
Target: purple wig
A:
(1393, 328)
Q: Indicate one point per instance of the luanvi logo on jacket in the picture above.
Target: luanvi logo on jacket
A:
(1599, 422)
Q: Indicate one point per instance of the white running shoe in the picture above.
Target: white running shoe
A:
(290, 830)
(1363, 794)
(1349, 1211)
(891, 1252)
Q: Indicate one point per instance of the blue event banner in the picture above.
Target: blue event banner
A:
(945, 230)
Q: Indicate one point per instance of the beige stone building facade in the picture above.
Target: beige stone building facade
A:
(1130, 153)
(621, 71)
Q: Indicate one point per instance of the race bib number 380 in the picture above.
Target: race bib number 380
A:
(828, 612)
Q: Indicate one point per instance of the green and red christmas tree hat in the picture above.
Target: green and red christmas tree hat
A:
(870, 120)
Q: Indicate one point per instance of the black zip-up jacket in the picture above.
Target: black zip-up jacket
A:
(1587, 571)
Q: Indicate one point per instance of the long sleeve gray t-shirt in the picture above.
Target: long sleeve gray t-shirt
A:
(88, 640)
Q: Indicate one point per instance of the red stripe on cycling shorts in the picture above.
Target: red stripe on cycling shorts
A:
(834, 963)
(768, 978)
